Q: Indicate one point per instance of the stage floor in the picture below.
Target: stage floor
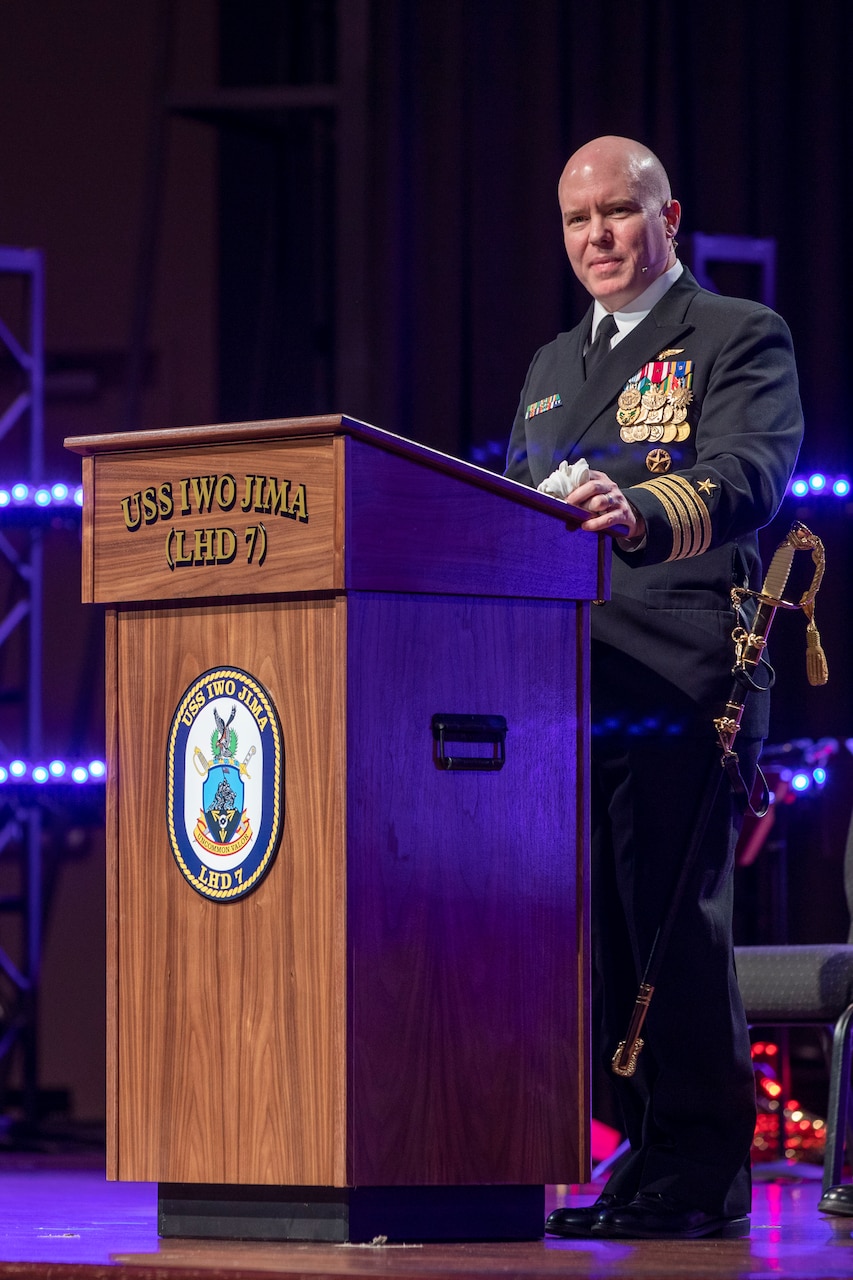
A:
(60, 1217)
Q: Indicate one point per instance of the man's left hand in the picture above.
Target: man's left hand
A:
(609, 509)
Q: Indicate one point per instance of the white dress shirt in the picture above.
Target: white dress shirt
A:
(636, 311)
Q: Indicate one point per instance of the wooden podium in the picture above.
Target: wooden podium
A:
(387, 1034)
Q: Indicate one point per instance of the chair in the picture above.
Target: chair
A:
(812, 986)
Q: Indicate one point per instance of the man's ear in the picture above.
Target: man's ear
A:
(672, 216)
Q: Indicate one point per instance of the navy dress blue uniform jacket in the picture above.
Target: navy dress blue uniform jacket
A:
(670, 610)
(662, 655)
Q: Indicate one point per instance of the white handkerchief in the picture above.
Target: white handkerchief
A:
(562, 482)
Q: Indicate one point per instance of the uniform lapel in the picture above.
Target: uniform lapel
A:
(553, 427)
(585, 401)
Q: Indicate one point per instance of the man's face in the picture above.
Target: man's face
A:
(613, 227)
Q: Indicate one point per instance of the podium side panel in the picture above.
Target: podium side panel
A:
(230, 1015)
(87, 536)
(467, 894)
(112, 903)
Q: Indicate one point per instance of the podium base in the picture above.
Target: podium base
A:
(357, 1215)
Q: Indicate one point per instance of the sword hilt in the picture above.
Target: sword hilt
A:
(624, 1061)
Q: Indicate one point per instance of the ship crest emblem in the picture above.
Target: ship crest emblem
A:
(225, 783)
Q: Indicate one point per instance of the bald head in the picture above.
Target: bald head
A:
(619, 218)
(624, 156)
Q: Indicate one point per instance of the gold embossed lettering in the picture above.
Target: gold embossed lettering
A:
(132, 508)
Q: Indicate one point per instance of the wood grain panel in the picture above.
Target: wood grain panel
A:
(468, 1032)
(183, 519)
(230, 1035)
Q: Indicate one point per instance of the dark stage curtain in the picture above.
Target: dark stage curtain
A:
(475, 106)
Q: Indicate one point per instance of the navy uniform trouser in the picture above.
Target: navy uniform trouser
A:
(689, 1110)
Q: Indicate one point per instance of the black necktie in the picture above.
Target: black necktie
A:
(601, 346)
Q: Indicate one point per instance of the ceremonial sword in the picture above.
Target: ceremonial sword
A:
(749, 653)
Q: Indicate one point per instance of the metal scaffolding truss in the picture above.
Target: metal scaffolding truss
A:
(21, 552)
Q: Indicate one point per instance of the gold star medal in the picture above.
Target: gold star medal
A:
(658, 461)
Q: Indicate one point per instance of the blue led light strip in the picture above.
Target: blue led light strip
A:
(22, 495)
(819, 485)
(74, 772)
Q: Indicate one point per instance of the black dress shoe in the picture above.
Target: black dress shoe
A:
(570, 1221)
(651, 1216)
(838, 1200)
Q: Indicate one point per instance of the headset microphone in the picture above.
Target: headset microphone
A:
(644, 269)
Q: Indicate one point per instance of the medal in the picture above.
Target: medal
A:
(626, 417)
(653, 404)
(654, 398)
(658, 461)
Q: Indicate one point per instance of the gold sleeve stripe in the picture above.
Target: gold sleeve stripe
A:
(687, 513)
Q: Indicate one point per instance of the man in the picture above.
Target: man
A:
(690, 422)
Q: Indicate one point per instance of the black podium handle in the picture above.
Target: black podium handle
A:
(469, 728)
